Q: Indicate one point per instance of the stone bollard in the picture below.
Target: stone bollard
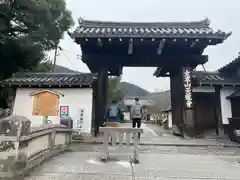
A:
(13, 160)
(9, 126)
(67, 121)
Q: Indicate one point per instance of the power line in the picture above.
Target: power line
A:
(75, 54)
(66, 57)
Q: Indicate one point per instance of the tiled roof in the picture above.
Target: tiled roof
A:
(50, 79)
(198, 29)
(234, 95)
(214, 78)
(234, 64)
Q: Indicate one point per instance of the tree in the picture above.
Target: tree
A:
(43, 66)
(28, 29)
(115, 92)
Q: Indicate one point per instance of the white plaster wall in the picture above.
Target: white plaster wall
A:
(204, 89)
(75, 98)
(226, 104)
(169, 119)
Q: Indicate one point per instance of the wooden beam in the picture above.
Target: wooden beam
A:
(130, 46)
(160, 46)
(144, 60)
(162, 72)
(100, 43)
(157, 71)
(115, 71)
(194, 43)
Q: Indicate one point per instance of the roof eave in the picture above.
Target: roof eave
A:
(202, 83)
(46, 85)
(220, 37)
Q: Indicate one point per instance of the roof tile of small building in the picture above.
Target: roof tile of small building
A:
(50, 79)
(214, 78)
(233, 64)
(236, 94)
(198, 29)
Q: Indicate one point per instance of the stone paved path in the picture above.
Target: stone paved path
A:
(157, 135)
(156, 162)
(86, 166)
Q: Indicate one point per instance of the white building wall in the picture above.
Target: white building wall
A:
(170, 119)
(75, 98)
(226, 104)
(205, 89)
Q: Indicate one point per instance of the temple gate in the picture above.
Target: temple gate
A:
(175, 48)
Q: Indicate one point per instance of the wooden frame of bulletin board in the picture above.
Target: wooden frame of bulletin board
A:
(45, 103)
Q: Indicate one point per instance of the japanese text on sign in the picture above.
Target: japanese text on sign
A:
(80, 121)
(188, 88)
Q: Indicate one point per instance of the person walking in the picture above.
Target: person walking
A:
(136, 114)
(113, 114)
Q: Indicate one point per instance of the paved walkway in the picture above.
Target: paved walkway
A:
(156, 162)
(165, 137)
(156, 135)
(177, 166)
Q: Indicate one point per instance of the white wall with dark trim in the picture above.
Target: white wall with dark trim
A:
(205, 89)
(226, 103)
(169, 116)
(75, 98)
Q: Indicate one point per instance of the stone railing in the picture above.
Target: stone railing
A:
(157, 121)
(22, 148)
(120, 137)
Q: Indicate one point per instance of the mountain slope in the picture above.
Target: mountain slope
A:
(162, 100)
(133, 90)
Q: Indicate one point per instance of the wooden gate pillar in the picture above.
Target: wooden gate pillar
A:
(105, 89)
(189, 122)
(94, 107)
(181, 101)
(177, 103)
(219, 125)
(101, 96)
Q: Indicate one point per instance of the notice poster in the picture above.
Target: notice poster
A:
(64, 111)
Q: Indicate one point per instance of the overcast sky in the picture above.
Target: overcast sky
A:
(223, 14)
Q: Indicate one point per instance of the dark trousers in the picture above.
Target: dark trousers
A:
(137, 121)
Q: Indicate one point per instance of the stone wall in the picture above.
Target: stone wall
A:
(22, 148)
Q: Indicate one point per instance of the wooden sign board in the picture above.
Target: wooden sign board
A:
(45, 104)
(187, 82)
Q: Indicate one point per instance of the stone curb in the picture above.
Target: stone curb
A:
(166, 144)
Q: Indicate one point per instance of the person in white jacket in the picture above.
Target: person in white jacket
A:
(136, 113)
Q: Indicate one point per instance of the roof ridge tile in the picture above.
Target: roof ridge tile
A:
(108, 24)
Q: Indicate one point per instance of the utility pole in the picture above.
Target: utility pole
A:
(55, 58)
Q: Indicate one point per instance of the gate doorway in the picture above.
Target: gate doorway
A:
(174, 48)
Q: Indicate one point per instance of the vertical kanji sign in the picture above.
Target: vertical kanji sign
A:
(187, 82)
(64, 111)
(81, 120)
